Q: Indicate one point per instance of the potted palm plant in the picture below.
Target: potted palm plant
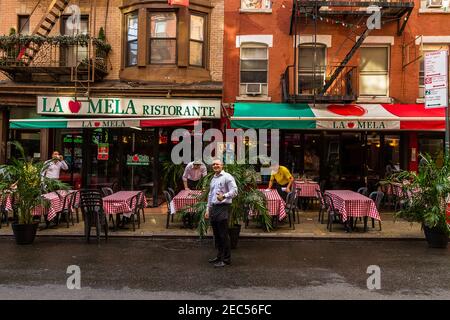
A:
(22, 178)
(249, 198)
(428, 191)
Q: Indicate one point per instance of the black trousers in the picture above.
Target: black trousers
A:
(192, 184)
(220, 231)
(283, 194)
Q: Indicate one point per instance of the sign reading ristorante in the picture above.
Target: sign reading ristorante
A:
(129, 107)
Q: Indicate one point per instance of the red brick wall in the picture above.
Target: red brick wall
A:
(403, 86)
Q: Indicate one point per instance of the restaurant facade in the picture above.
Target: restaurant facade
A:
(348, 100)
(111, 116)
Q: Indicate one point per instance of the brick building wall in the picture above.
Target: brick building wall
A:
(403, 82)
(111, 19)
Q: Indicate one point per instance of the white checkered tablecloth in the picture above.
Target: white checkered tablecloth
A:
(353, 204)
(182, 199)
(120, 202)
(275, 203)
(307, 189)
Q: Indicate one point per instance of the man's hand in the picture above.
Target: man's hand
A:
(220, 196)
(187, 189)
(288, 189)
(207, 214)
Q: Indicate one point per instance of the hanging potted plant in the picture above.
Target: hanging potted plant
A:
(428, 191)
(23, 180)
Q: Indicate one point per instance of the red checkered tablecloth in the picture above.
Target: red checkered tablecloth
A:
(56, 200)
(8, 202)
(275, 203)
(307, 189)
(353, 204)
(184, 198)
(120, 202)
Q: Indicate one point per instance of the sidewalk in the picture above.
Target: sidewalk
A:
(308, 228)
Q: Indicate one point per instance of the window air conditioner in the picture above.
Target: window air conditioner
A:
(434, 3)
(253, 88)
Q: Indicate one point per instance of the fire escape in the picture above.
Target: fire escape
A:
(336, 82)
(79, 59)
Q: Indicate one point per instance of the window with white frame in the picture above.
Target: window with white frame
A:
(427, 48)
(374, 71)
(256, 4)
(311, 67)
(254, 69)
(132, 39)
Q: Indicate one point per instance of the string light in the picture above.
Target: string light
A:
(332, 21)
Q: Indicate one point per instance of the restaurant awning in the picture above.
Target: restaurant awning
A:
(338, 116)
(47, 123)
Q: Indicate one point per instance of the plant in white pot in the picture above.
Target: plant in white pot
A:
(22, 180)
(427, 192)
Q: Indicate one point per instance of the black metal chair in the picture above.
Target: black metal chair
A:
(333, 214)
(364, 191)
(67, 209)
(91, 204)
(106, 191)
(291, 207)
(377, 197)
(168, 200)
(134, 216)
(322, 205)
(141, 206)
(171, 192)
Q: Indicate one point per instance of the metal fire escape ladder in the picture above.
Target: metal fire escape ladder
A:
(344, 62)
(43, 28)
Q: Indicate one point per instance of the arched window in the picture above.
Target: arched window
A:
(311, 70)
(254, 69)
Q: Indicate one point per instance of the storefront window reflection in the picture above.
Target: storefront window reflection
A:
(312, 156)
(432, 145)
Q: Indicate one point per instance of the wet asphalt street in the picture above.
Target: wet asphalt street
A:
(261, 269)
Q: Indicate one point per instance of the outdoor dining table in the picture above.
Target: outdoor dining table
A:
(183, 199)
(120, 203)
(275, 203)
(56, 203)
(353, 204)
(306, 189)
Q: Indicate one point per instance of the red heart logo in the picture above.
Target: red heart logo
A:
(97, 124)
(347, 109)
(74, 106)
(350, 125)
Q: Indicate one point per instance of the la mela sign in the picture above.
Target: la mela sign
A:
(129, 107)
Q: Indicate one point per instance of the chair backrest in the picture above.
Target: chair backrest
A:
(168, 198)
(171, 192)
(141, 198)
(68, 201)
(320, 197)
(322, 185)
(91, 202)
(329, 202)
(290, 200)
(377, 196)
(106, 191)
(363, 191)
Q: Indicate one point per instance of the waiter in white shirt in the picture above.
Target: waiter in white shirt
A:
(54, 165)
(193, 172)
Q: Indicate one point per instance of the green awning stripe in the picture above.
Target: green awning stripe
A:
(270, 112)
(37, 124)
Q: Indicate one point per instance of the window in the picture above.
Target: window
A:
(311, 74)
(132, 36)
(196, 43)
(427, 48)
(374, 71)
(254, 67)
(72, 55)
(256, 4)
(163, 37)
(24, 25)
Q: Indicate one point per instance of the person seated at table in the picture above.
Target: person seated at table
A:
(193, 172)
(281, 178)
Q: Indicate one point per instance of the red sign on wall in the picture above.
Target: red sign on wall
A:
(103, 151)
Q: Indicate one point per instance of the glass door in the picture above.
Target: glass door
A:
(71, 148)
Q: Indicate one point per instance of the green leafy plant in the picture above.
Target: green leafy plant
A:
(172, 175)
(429, 189)
(23, 178)
(249, 198)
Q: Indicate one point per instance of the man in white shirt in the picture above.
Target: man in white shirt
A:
(193, 172)
(54, 165)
